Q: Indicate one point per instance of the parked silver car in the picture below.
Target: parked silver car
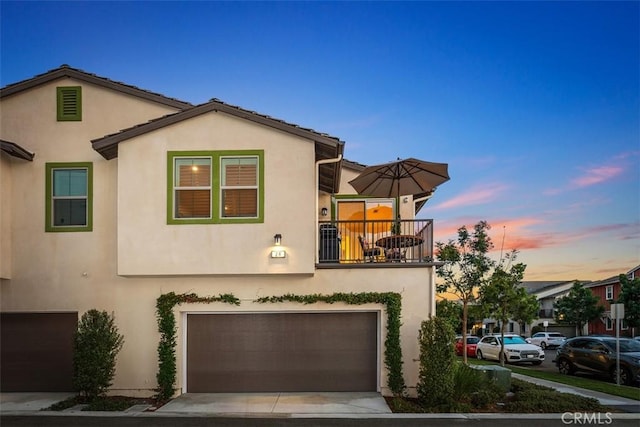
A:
(547, 339)
(516, 349)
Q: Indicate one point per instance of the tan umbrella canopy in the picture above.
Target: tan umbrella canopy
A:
(400, 178)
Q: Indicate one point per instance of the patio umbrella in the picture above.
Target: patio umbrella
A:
(400, 178)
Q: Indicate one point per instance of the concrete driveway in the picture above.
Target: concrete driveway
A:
(278, 403)
(30, 401)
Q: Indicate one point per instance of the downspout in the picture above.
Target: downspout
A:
(318, 163)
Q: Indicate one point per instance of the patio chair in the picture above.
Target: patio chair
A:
(395, 255)
(370, 252)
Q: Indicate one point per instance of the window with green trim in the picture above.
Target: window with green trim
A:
(69, 197)
(206, 187)
(69, 103)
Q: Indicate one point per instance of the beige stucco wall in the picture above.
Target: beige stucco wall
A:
(5, 216)
(147, 245)
(79, 271)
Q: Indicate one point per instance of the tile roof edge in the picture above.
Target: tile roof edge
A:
(67, 71)
(106, 143)
(16, 150)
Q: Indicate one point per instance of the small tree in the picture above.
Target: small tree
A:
(451, 311)
(466, 265)
(501, 295)
(437, 358)
(630, 297)
(96, 345)
(578, 307)
(526, 309)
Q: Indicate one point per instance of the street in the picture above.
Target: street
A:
(482, 420)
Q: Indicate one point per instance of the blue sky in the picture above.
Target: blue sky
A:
(535, 106)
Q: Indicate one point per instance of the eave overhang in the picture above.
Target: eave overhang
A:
(16, 150)
(326, 147)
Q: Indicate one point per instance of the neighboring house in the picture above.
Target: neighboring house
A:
(547, 292)
(112, 196)
(608, 290)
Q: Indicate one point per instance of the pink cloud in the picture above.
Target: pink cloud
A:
(520, 233)
(596, 176)
(474, 196)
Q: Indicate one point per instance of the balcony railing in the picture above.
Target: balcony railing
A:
(376, 242)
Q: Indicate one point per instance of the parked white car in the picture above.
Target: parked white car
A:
(516, 349)
(547, 339)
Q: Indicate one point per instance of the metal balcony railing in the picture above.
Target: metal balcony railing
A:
(376, 241)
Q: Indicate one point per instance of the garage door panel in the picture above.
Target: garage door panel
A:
(37, 351)
(282, 352)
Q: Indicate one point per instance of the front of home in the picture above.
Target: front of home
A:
(113, 197)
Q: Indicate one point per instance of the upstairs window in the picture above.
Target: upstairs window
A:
(206, 187)
(609, 293)
(69, 189)
(69, 103)
(192, 187)
(239, 187)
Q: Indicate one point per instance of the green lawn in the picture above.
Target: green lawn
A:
(587, 383)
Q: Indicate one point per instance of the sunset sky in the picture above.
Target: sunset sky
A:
(534, 106)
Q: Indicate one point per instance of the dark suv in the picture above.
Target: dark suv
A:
(598, 355)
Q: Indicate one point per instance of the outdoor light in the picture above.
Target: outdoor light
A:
(277, 239)
(324, 211)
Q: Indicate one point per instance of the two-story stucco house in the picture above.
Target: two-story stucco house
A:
(112, 196)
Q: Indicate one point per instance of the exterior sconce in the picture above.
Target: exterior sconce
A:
(278, 252)
(324, 212)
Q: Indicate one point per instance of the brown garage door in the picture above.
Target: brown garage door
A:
(282, 352)
(36, 351)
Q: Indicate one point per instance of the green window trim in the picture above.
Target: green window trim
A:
(49, 196)
(69, 103)
(216, 191)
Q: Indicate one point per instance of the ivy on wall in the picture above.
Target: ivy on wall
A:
(165, 304)
(393, 304)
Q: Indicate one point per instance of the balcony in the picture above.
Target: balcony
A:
(375, 243)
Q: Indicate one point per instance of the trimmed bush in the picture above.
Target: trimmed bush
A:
(96, 345)
(437, 362)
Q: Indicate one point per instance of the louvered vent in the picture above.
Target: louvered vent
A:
(70, 103)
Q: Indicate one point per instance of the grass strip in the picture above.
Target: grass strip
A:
(581, 382)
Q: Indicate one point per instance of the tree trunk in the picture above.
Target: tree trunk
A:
(502, 356)
(464, 331)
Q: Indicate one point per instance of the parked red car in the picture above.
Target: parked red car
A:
(471, 346)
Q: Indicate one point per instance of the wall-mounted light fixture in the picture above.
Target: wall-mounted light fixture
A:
(279, 252)
(324, 211)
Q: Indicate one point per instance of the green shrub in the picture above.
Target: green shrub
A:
(532, 398)
(96, 345)
(436, 379)
(467, 381)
